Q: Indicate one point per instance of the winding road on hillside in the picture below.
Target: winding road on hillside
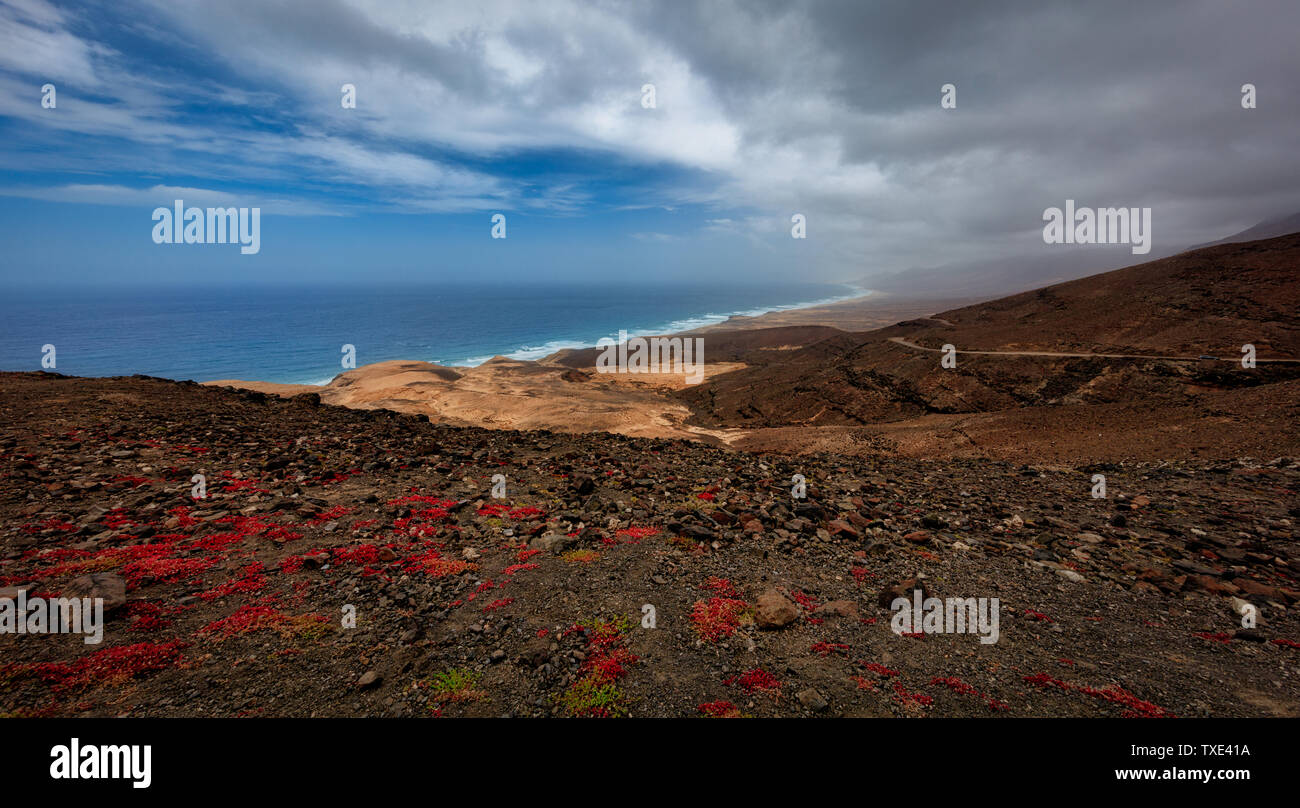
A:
(909, 344)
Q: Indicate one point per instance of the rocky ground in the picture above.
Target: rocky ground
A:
(535, 604)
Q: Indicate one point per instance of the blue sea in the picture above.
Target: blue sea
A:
(296, 335)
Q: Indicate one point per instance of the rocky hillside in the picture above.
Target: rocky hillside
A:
(541, 602)
(1151, 324)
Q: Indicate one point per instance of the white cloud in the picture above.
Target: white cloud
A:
(165, 195)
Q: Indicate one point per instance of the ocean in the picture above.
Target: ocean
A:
(295, 336)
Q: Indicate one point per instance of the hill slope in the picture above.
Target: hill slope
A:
(1270, 229)
(1209, 301)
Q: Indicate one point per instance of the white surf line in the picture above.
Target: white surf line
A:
(678, 327)
(908, 344)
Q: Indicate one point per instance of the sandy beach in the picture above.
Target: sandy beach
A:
(871, 311)
(550, 393)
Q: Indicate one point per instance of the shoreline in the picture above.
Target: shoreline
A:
(672, 328)
(775, 315)
(562, 392)
(860, 312)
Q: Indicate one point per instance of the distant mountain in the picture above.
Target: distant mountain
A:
(1207, 301)
(1005, 275)
(1211, 299)
(1271, 229)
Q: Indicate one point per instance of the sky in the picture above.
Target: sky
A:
(537, 111)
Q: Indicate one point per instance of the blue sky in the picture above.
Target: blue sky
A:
(534, 110)
(148, 112)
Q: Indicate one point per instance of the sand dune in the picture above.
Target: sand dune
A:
(562, 392)
(507, 393)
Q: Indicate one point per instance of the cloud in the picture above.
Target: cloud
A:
(164, 196)
(829, 109)
(33, 40)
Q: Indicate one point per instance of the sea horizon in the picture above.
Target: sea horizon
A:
(294, 334)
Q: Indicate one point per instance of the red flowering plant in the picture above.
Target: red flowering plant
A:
(264, 615)
(958, 686)
(251, 580)
(597, 693)
(1114, 694)
(721, 709)
(107, 666)
(456, 685)
(909, 699)
(825, 649)
(718, 617)
(432, 564)
(756, 681)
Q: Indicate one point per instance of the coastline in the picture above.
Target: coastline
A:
(688, 325)
(561, 392)
(863, 313)
(821, 312)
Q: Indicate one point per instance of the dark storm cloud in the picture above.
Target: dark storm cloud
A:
(1114, 102)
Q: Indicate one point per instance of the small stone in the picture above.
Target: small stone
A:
(551, 542)
(838, 608)
(775, 610)
(934, 521)
(813, 700)
(369, 679)
(106, 585)
(1214, 586)
(839, 527)
(1257, 589)
(903, 589)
